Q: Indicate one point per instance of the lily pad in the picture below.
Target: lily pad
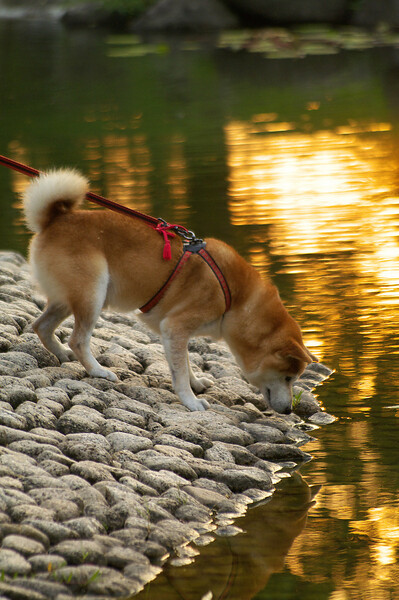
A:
(137, 50)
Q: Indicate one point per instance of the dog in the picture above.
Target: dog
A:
(87, 260)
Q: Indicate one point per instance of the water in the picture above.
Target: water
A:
(295, 162)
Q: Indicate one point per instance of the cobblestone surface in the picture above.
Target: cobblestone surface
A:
(100, 482)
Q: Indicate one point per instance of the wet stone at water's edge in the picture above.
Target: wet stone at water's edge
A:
(100, 482)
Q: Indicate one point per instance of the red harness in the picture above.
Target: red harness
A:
(195, 246)
(192, 245)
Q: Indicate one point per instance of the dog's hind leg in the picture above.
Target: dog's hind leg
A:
(45, 326)
(175, 343)
(86, 311)
(198, 384)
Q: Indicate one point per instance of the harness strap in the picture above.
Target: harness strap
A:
(204, 254)
(189, 249)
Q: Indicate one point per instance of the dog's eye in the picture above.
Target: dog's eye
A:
(288, 379)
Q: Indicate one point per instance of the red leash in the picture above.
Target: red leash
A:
(192, 244)
(164, 228)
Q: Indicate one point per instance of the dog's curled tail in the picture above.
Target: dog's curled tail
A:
(50, 194)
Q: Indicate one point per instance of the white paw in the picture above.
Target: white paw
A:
(201, 384)
(196, 404)
(103, 373)
(65, 355)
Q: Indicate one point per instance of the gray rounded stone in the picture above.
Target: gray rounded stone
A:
(74, 482)
(36, 415)
(54, 394)
(13, 363)
(240, 479)
(54, 468)
(209, 498)
(85, 527)
(91, 471)
(307, 405)
(219, 453)
(26, 531)
(56, 532)
(171, 533)
(162, 480)
(29, 446)
(127, 441)
(322, 418)
(87, 446)
(12, 562)
(205, 468)
(166, 439)
(30, 344)
(192, 513)
(19, 394)
(76, 552)
(264, 433)
(28, 512)
(11, 482)
(115, 492)
(120, 556)
(23, 545)
(193, 434)
(124, 416)
(11, 419)
(36, 588)
(141, 572)
(81, 419)
(157, 462)
(281, 452)
(137, 486)
(46, 562)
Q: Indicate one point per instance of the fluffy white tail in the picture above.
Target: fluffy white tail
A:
(51, 193)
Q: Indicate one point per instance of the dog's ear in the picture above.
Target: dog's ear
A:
(295, 350)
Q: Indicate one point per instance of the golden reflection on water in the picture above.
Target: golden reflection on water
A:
(127, 166)
(329, 194)
(329, 203)
(371, 551)
(178, 180)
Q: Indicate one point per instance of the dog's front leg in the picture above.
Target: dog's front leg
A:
(175, 344)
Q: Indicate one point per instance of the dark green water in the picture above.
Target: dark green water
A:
(295, 162)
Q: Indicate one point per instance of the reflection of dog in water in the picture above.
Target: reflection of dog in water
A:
(236, 568)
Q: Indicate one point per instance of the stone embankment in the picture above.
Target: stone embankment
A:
(100, 482)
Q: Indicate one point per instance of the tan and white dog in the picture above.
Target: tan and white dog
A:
(86, 260)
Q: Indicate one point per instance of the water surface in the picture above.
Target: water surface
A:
(295, 162)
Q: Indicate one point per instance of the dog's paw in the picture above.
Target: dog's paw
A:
(201, 384)
(103, 373)
(195, 404)
(65, 355)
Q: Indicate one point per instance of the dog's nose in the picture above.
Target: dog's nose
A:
(287, 411)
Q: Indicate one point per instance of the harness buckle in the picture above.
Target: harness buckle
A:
(186, 234)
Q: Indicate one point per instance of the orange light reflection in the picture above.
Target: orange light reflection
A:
(326, 193)
(328, 200)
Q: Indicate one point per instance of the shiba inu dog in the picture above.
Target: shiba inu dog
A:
(87, 260)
